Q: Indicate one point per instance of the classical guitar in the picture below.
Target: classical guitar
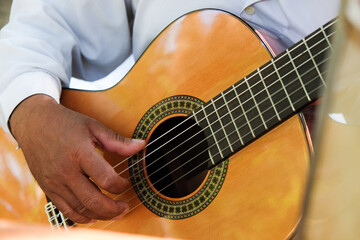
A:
(196, 179)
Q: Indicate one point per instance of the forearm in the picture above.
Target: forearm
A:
(46, 42)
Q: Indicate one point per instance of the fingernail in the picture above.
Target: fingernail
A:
(93, 221)
(137, 140)
(126, 210)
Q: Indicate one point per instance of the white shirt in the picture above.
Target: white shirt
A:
(48, 42)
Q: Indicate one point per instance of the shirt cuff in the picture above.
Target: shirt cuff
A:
(24, 86)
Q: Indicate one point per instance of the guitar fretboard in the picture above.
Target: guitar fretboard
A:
(266, 97)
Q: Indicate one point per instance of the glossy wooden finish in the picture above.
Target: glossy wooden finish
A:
(200, 55)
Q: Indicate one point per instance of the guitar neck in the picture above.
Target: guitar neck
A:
(266, 97)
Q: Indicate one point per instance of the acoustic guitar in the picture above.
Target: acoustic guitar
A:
(227, 153)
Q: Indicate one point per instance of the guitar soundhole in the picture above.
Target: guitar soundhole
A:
(177, 156)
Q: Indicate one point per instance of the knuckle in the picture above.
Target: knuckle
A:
(76, 156)
(89, 122)
(60, 171)
(92, 125)
(115, 136)
(92, 203)
(84, 213)
(120, 138)
(80, 208)
(47, 181)
(75, 217)
(71, 214)
(107, 182)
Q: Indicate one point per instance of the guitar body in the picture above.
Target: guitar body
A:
(255, 194)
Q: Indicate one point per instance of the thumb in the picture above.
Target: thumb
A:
(113, 142)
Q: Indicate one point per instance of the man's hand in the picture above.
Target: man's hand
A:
(59, 147)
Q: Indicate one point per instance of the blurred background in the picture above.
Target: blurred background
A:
(4, 11)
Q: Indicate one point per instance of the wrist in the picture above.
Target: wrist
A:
(27, 111)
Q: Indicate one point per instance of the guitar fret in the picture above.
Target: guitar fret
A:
(242, 108)
(297, 73)
(253, 107)
(326, 38)
(267, 91)
(256, 105)
(282, 84)
(232, 118)
(212, 132)
(222, 126)
(54, 215)
(196, 120)
(211, 158)
(316, 67)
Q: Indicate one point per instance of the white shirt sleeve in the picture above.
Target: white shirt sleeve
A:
(47, 42)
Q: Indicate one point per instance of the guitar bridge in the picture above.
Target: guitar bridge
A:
(56, 218)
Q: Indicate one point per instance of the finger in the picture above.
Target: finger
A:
(67, 210)
(74, 203)
(113, 142)
(95, 201)
(101, 172)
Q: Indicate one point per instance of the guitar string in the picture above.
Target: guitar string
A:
(249, 78)
(271, 107)
(233, 99)
(210, 126)
(261, 90)
(206, 150)
(228, 123)
(108, 223)
(228, 113)
(220, 140)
